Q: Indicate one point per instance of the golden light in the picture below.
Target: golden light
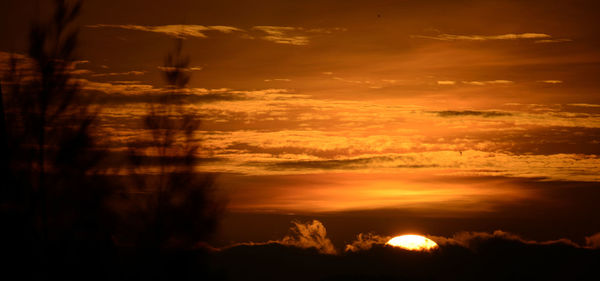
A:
(412, 242)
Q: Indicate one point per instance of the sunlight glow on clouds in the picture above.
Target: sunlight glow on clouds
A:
(292, 35)
(304, 235)
(175, 30)
(509, 36)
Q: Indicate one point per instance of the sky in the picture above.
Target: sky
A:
(371, 116)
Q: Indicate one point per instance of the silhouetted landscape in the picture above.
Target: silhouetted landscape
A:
(271, 140)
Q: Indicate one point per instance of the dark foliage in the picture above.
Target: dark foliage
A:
(176, 206)
(55, 219)
(62, 217)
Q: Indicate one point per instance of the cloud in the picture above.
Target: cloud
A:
(352, 163)
(25, 65)
(132, 72)
(593, 241)
(81, 71)
(473, 240)
(365, 242)
(446, 82)
(278, 80)
(491, 82)
(452, 113)
(310, 235)
(304, 235)
(281, 35)
(509, 36)
(554, 40)
(77, 62)
(551, 81)
(559, 166)
(292, 35)
(187, 69)
(174, 30)
(584, 104)
(132, 92)
(116, 88)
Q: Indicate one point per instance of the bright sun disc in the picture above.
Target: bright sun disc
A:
(412, 242)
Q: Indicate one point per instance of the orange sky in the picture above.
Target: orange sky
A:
(353, 105)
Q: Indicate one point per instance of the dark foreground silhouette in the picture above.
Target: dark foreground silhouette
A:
(62, 216)
(488, 259)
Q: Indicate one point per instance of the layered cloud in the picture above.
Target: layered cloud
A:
(126, 73)
(537, 37)
(491, 82)
(292, 35)
(289, 35)
(278, 131)
(174, 30)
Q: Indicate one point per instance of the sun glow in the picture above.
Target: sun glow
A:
(412, 243)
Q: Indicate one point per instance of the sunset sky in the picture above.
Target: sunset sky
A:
(371, 116)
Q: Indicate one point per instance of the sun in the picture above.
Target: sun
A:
(412, 243)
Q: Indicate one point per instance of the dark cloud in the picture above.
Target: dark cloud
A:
(479, 256)
(353, 163)
(454, 113)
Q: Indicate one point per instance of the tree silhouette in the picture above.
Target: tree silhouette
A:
(179, 205)
(53, 200)
(59, 212)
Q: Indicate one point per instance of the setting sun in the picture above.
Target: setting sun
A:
(412, 242)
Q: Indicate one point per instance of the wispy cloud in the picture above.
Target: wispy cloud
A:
(554, 40)
(584, 104)
(117, 88)
(278, 80)
(279, 34)
(175, 30)
(491, 82)
(446, 82)
(292, 35)
(187, 69)
(551, 81)
(452, 113)
(538, 37)
(282, 35)
(132, 72)
(366, 241)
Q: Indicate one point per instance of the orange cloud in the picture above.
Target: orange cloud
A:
(365, 242)
(292, 35)
(509, 36)
(304, 235)
(593, 241)
(175, 30)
